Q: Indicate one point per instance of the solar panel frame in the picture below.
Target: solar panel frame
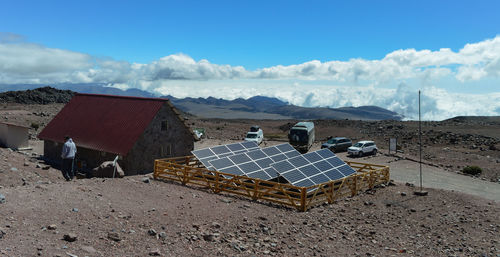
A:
(264, 163)
(312, 157)
(249, 144)
(346, 170)
(309, 170)
(285, 147)
(205, 155)
(253, 163)
(271, 151)
(305, 183)
(334, 175)
(255, 155)
(247, 159)
(320, 178)
(292, 154)
(236, 147)
(260, 174)
(315, 167)
(239, 158)
(232, 170)
(278, 157)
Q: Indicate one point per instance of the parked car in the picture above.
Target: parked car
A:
(337, 144)
(255, 134)
(362, 148)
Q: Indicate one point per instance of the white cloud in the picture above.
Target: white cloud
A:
(23, 62)
(436, 103)
(34, 62)
(390, 82)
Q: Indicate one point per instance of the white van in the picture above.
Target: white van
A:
(255, 134)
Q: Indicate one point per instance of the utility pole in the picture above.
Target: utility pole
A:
(421, 192)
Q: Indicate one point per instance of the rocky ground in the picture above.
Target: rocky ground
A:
(40, 214)
(137, 216)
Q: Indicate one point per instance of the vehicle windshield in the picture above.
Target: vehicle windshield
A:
(358, 145)
(251, 135)
(298, 135)
(332, 141)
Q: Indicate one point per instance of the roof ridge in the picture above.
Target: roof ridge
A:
(127, 97)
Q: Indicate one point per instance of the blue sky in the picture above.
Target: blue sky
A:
(277, 48)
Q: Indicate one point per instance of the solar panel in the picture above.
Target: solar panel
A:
(313, 168)
(255, 163)
(221, 151)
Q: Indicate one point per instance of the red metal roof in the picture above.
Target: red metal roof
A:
(103, 122)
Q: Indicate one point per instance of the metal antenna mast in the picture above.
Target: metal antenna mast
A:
(421, 192)
(420, 138)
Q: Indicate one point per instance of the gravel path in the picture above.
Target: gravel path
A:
(433, 177)
(408, 171)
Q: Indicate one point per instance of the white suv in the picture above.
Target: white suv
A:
(362, 148)
(255, 134)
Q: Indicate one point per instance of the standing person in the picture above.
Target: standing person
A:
(68, 156)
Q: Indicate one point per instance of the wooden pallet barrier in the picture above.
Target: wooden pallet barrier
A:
(189, 171)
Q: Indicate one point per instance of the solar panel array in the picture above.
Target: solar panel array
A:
(313, 168)
(205, 155)
(247, 159)
(256, 163)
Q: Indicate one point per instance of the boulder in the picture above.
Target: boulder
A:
(155, 253)
(106, 170)
(70, 237)
(114, 236)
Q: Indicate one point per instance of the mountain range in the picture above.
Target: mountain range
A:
(257, 107)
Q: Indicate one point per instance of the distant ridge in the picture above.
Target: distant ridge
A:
(42, 95)
(257, 107)
(88, 88)
(260, 107)
(488, 119)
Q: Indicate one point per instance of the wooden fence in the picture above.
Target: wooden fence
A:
(188, 170)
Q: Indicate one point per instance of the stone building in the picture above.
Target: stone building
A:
(138, 130)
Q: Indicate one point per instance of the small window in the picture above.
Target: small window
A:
(164, 125)
(165, 151)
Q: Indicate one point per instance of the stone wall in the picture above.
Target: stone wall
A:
(155, 143)
(52, 152)
(88, 158)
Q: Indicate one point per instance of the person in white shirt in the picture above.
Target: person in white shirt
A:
(68, 157)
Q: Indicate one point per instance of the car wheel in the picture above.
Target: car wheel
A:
(374, 152)
(360, 153)
(332, 149)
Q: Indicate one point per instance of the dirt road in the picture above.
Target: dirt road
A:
(432, 177)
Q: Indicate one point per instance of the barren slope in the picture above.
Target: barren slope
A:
(128, 217)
